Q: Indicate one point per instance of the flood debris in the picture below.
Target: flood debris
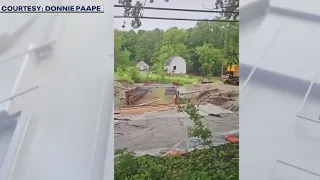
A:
(149, 121)
(206, 80)
(148, 98)
(157, 94)
(121, 119)
(229, 100)
(215, 115)
(142, 109)
(148, 103)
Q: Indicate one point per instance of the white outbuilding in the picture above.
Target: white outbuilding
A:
(176, 65)
(142, 66)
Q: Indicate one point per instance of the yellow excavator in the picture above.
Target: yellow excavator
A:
(232, 75)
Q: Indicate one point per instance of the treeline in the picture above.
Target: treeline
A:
(203, 47)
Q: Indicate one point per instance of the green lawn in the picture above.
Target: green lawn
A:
(156, 78)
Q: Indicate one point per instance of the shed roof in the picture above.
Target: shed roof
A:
(142, 63)
(169, 60)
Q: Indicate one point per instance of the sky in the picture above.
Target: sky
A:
(149, 24)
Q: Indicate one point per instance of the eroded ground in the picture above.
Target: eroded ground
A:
(165, 127)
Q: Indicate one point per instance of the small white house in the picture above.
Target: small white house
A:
(176, 65)
(142, 66)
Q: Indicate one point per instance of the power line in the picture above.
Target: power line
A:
(178, 9)
(176, 19)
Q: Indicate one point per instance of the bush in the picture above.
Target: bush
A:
(120, 71)
(133, 74)
(130, 74)
(216, 163)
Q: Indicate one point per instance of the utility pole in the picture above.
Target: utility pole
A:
(224, 48)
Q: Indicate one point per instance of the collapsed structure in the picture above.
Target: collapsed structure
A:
(153, 94)
(149, 121)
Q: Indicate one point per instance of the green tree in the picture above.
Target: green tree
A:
(147, 45)
(210, 59)
(129, 41)
(232, 45)
(121, 57)
(210, 33)
(174, 36)
(155, 46)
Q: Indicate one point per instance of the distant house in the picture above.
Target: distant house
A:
(142, 66)
(176, 65)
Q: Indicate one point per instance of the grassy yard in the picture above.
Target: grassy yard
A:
(143, 77)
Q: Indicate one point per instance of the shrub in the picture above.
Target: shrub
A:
(133, 74)
(215, 163)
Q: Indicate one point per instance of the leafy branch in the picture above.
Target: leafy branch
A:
(136, 10)
(198, 130)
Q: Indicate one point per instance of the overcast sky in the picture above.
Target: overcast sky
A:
(149, 24)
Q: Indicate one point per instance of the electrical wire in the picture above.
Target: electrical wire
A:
(178, 9)
(176, 19)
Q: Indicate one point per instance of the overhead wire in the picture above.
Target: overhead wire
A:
(176, 9)
(177, 19)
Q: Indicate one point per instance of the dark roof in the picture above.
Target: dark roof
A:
(169, 60)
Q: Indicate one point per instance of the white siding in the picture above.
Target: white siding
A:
(181, 66)
(142, 66)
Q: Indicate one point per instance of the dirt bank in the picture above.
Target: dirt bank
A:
(119, 92)
(121, 86)
(226, 96)
(227, 100)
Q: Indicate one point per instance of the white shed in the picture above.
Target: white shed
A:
(142, 66)
(176, 65)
